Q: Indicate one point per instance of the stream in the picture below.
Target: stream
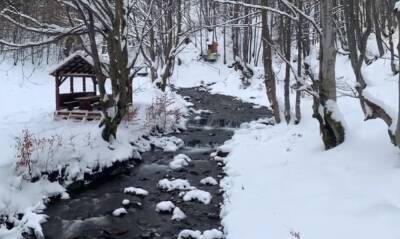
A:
(88, 213)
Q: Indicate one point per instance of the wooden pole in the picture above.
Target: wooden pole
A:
(71, 84)
(84, 84)
(94, 85)
(58, 103)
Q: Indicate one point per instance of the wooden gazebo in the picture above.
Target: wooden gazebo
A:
(82, 104)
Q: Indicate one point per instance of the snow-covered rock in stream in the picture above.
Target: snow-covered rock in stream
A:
(119, 212)
(168, 144)
(212, 234)
(209, 181)
(177, 184)
(195, 234)
(197, 195)
(189, 234)
(180, 161)
(136, 191)
(165, 207)
(126, 202)
(178, 214)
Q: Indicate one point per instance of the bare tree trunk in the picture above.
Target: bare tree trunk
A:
(371, 109)
(119, 74)
(235, 33)
(397, 132)
(225, 28)
(287, 43)
(378, 32)
(299, 65)
(325, 107)
(391, 44)
(269, 75)
(246, 32)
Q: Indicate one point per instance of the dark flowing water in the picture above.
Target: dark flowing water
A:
(88, 214)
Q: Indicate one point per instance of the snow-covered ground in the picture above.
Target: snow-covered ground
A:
(223, 80)
(283, 180)
(27, 102)
(282, 183)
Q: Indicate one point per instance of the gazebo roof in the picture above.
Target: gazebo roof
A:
(77, 64)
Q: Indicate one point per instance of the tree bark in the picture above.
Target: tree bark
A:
(325, 107)
(287, 43)
(299, 64)
(378, 32)
(269, 75)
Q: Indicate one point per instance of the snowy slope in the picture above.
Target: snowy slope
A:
(27, 102)
(281, 182)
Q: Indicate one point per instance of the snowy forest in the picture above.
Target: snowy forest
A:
(199, 119)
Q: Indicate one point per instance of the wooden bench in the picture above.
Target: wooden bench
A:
(78, 115)
(93, 115)
(71, 104)
(61, 115)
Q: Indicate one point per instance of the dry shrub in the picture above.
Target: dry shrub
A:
(131, 115)
(25, 148)
(161, 116)
(30, 149)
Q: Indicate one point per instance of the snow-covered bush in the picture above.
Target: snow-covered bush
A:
(162, 115)
(31, 148)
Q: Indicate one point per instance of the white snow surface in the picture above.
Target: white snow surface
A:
(197, 195)
(119, 212)
(126, 202)
(283, 179)
(279, 178)
(136, 191)
(180, 161)
(397, 6)
(178, 214)
(196, 234)
(212, 234)
(284, 183)
(27, 101)
(209, 181)
(165, 207)
(186, 234)
(176, 184)
(168, 144)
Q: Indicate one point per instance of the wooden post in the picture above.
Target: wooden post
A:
(94, 85)
(84, 84)
(58, 103)
(71, 84)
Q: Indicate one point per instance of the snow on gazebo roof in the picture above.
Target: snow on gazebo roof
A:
(78, 63)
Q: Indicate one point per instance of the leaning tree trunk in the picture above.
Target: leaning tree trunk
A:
(325, 107)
